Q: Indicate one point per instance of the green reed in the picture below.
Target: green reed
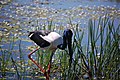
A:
(97, 59)
(6, 55)
(100, 58)
(107, 50)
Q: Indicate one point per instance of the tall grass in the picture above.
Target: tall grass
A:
(103, 57)
(98, 59)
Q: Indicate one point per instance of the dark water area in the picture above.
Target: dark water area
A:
(17, 17)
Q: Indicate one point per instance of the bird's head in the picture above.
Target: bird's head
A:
(67, 35)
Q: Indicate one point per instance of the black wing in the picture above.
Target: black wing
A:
(38, 39)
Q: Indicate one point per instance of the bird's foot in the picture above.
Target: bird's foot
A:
(47, 75)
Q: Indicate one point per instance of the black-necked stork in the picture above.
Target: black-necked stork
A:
(51, 41)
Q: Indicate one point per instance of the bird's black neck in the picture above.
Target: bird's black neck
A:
(67, 39)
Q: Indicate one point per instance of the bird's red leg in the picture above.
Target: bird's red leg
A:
(49, 64)
(29, 56)
(41, 69)
(46, 74)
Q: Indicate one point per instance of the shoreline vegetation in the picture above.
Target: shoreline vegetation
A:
(96, 44)
(91, 61)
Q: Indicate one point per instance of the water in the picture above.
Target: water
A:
(20, 16)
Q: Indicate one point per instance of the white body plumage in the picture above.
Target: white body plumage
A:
(54, 39)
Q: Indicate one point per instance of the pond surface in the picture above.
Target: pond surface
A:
(20, 16)
(17, 17)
